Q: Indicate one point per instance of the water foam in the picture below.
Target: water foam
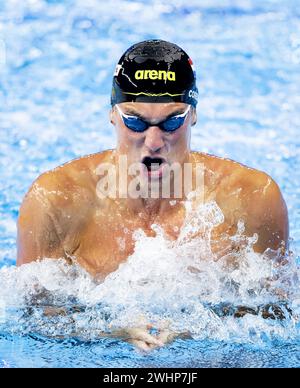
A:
(180, 284)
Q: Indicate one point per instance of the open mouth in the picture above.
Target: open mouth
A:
(153, 164)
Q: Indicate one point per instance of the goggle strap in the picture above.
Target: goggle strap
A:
(131, 116)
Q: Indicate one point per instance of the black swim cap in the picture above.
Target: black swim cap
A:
(154, 71)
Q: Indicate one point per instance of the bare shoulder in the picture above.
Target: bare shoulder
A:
(232, 174)
(77, 176)
(252, 195)
(66, 193)
(55, 209)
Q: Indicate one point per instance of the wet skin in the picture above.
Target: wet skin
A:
(62, 215)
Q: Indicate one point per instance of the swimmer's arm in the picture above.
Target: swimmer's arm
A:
(139, 336)
(263, 212)
(268, 217)
(37, 228)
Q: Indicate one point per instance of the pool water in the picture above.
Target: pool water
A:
(56, 63)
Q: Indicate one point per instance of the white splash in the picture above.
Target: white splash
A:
(179, 282)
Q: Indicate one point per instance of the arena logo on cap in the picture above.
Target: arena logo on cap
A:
(155, 74)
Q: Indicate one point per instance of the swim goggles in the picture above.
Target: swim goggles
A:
(136, 124)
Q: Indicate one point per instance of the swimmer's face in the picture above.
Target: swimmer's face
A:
(153, 142)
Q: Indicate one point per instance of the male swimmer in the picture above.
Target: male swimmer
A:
(154, 98)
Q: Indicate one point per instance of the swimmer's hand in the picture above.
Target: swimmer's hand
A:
(142, 338)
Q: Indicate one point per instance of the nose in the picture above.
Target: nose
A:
(154, 139)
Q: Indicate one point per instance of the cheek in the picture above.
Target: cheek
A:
(178, 138)
(129, 139)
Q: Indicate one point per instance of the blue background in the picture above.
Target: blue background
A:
(57, 59)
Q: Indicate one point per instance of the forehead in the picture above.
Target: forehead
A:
(153, 109)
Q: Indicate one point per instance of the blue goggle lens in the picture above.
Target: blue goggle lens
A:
(172, 123)
(135, 124)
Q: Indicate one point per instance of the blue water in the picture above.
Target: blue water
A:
(56, 63)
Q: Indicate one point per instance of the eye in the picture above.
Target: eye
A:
(173, 123)
(135, 124)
